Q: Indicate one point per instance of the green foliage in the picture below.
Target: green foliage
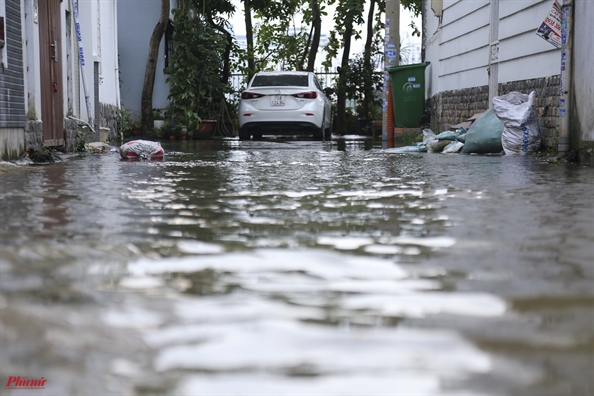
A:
(355, 87)
(124, 122)
(196, 89)
(83, 136)
(416, 7)
(158, 114)
(279, 44)
(347, 13)
(283, 36)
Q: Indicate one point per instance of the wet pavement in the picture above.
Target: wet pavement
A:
(298, 267)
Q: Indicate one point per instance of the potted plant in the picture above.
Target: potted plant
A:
(196, 90)
(159, 122)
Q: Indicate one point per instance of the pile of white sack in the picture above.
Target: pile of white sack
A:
(511, 126)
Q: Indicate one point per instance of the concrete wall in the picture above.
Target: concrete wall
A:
(468, 56)
(99, 36)
(99, 30)
(12, 91)
(582, 116)
(458, 43)
(522, 54)
(12, 143)
(136, 21)
(463, 49)
(449, 108)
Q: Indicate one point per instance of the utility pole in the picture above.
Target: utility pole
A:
(391, 56)
(566, 75)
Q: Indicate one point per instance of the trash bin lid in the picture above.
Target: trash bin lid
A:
(402, 67)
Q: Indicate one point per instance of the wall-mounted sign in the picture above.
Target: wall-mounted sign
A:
(550, 29)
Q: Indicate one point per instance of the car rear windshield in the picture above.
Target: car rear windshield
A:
(284, 80)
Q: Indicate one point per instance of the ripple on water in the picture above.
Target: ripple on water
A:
(276, 331)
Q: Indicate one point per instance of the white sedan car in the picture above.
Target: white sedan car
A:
(285, 103)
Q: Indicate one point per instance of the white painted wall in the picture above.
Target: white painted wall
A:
(457, 44)
(98, 22)
(85, 17)
(109, 89)
(31, 59)
(136, 21)
(522, 54)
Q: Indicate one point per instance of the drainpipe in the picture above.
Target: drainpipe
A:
(566, 75)
(115, 45)
(74, 5)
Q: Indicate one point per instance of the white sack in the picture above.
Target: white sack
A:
(521, 134)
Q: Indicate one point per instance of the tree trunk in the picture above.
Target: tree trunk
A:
(316, 21)
(151, 68)
(249, 36)
(340, 92)
(367, 67)
(226, 69)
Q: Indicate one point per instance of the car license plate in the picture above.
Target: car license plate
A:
(277, 100)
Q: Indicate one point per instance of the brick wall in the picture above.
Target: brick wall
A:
(452, 107)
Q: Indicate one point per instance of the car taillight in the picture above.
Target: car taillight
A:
(250, 95)
(306, 95)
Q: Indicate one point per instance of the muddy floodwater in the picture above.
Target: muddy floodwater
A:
(285, 267)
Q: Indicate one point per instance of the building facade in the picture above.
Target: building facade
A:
(12, 85)
(61, 72)
(485, 48)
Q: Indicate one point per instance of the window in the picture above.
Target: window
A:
(284, 80)
(317, 82)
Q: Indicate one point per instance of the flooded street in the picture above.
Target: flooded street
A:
(298, 267)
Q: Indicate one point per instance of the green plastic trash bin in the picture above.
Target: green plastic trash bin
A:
(408, 94)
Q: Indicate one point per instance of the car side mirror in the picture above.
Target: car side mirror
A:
(328, 91)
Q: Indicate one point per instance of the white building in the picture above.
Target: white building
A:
(42, 73)
(485, 48)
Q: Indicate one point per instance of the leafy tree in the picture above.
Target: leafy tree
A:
(281, 38)
(416, 7)
(216, 14)
(287, 34)
(348, 15)
(195, 67)
(315, 16)
(373, 45)
(362, 88)
(151, 68)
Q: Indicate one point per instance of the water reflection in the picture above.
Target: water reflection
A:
(301, 266)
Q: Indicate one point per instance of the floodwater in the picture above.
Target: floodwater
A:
(298, 267)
